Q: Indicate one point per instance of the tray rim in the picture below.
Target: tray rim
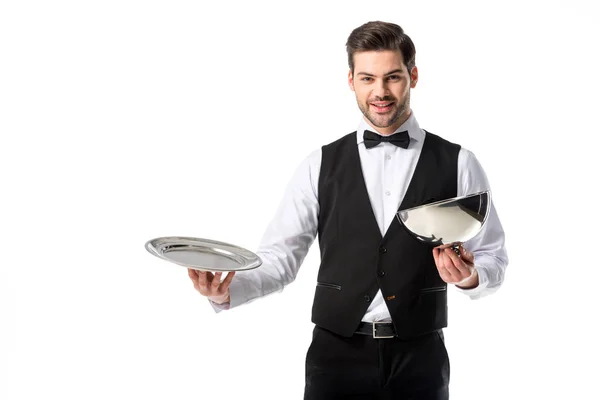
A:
(252, 259)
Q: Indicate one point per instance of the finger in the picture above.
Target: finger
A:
(194, 278)
(227, 281)
(447, 267)
(457, 266)
(197, 287)
(443, 262)
(216, 281)
(193, 275)
(466, 255)
(445, 275)
(203, 280)
(439, 259)
(456, 261)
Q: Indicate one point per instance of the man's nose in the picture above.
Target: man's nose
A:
(380, 89)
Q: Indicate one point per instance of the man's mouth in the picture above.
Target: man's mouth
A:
(382, 106)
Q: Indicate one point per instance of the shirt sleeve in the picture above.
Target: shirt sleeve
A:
(488, 246)
(286, 241)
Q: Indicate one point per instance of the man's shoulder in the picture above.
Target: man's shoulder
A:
(439, 140)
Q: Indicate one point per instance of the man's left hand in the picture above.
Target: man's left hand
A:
(454, 269)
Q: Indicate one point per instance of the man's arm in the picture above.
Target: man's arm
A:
(488, 246)
(286, 241)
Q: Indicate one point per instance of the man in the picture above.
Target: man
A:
(372, 270)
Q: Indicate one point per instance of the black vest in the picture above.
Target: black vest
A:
(356, 261)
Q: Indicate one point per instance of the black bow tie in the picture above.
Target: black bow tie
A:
(400, 139)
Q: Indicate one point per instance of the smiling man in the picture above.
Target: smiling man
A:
(380, 301)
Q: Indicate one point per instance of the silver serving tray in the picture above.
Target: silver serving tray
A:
(203, 254)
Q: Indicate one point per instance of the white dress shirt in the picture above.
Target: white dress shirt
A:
(387, 171)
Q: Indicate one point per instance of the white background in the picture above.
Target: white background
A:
(122, 121)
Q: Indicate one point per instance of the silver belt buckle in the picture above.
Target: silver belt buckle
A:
(375, 336)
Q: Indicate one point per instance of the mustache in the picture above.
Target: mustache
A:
(385, 98)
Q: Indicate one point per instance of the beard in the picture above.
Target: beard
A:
(391, 117)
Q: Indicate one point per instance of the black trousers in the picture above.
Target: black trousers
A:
(361, 367)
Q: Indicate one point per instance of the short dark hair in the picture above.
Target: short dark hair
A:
(378, 35)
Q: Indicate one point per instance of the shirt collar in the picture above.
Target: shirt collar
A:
(411, 125)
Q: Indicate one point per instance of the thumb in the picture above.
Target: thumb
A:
(466, 254)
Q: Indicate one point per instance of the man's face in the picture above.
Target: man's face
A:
(382, 86)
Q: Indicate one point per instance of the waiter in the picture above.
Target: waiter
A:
(381, 296)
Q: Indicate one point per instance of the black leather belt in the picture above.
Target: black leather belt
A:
(377, 330)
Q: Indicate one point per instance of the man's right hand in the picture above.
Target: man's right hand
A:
(210, 285)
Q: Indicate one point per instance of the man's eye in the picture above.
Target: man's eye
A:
(365, 79)
(394, 77)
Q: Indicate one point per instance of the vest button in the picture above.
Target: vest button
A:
(381, 273)
(382, 250)
(367, 298)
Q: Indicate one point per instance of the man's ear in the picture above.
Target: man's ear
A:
(350, 80)
(414, 77)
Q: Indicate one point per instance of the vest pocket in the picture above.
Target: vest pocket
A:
(434, 289)
(329, 285)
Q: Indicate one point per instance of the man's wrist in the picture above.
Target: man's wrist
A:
(470, 283)
(220, 300)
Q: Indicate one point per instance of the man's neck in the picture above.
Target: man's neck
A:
(391, 129)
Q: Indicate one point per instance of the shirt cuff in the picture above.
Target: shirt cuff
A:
(242, 291)
(237, 295)
(478, 291)
(219, 307)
